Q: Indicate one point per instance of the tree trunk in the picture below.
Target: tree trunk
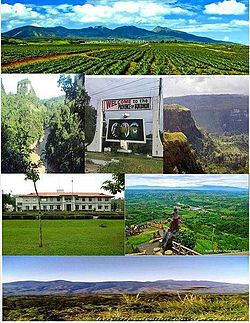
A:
(39, 218)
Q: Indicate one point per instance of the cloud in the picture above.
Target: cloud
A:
(17, 11)
(192, 85)
(226, 7)
(226, 38)
(109, 13)
(230, 26)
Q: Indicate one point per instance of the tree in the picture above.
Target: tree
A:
(186, 238)
(117, 184)
(77, 99)
(32, 174)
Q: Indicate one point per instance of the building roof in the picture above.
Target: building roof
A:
(58, 194)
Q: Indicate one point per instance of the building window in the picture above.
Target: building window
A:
(58, 207)
(58, 199)
(44, 207)
(19, 203)
(90, 207)
(77, 199)
(106, 207)
(34, 207)
(99, 199)
(106, 199)
(90, 199)
(43, 199)
(67, 199)
(27, 208)
(77, 207)
(51, 199)
(51, 207)
(83, 207)
(83, 199)
(99, 207)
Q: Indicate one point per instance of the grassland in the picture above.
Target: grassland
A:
(226, 212)
(132, 164)
(64, 237)
(121, 59)
(160, 307)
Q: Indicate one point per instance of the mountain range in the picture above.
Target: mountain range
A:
(216, 113)
(100, 32)
(191, 188)
(63, 287)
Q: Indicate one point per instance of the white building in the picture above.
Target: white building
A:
(62, 201)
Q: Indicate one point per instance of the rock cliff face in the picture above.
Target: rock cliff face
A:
(24, 87)
(177, 118)
(178, 157)
(217, 113)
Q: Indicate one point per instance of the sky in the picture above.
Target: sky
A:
(219, 19)
(194, 85)
(111, 87)
(231, 269)
(45, 85)
(84, 183)
(181, 181)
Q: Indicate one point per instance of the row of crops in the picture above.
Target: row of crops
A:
(115, 59)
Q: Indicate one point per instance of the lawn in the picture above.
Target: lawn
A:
(133, 164)
(64, 237)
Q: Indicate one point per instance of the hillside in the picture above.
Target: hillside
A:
(62, 287)
(217, 153)
(203, 188)
(100, 32)
(218, 114)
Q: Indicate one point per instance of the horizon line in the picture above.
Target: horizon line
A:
(139, 281)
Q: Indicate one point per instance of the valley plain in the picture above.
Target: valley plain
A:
(224, 209)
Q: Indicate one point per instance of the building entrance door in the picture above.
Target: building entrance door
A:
(68, 207)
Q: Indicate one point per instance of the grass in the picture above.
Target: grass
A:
(64, 237)
(143, 307)
(133, 164)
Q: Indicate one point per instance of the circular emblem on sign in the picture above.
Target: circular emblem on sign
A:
(134, 128)
(115, 130)
(124, 130)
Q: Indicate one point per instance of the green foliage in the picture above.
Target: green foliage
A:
(64, 237)
(200, 211)
(65, 147)
(117, 184)
(186, 238)
(127, 58)
(22, 124)
(8, 199)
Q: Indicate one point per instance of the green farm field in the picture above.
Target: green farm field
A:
(64, 237)
(125, 58)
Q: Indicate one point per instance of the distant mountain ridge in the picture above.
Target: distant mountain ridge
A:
(216, 113)
(101, 32)
(63, 287)
(200, 188)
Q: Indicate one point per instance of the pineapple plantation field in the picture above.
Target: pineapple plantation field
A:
(125, 58)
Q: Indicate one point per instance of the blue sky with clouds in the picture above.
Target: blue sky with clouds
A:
(218, 19)
(232, 269)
